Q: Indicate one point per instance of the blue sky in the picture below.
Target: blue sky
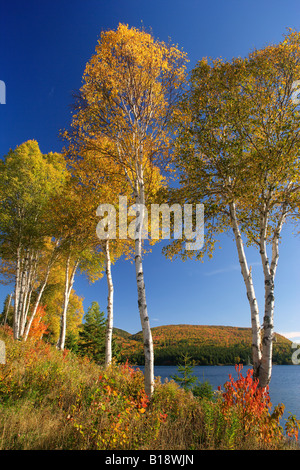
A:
(44, 48)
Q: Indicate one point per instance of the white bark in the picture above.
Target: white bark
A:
(25, 271)
(22, 296)
(16, 321)
(21, 291)
(142, 304)
(247, 276)
(69, 281)
(37, 302)
(110, 296)
(269, 270)
(29, 271)
(136, 182)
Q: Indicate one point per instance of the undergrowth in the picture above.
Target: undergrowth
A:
(51, 400)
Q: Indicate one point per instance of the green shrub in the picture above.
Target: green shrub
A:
(203, 390)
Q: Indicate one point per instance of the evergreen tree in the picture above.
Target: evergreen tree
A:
(72, 342)
(92, 336)
(116, 350)
(6, 317)
(186, 380)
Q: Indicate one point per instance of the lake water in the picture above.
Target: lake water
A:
(284, 385)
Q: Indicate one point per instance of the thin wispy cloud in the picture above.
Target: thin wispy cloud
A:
(291, 335)
(229, 269)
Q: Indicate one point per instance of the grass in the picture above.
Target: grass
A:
(51, 400)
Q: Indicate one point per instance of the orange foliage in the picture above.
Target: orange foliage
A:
(38, 326)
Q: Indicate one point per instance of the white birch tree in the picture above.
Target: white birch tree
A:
(27, 182)
(238, 153)
(129, 91)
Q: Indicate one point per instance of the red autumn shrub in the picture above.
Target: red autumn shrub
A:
(252, 405)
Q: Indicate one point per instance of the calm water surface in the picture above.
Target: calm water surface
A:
(284, 385)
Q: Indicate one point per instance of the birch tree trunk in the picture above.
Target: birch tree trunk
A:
(21, 291)
(109, 326)
(63, 319)
(37, 302)
(26, 264)
(16, 320)
(269, 271)
(138, 190)
(22, 295)
(69, 281)
(25, 275)
(247, 276)
(29, 273)
(142, 304)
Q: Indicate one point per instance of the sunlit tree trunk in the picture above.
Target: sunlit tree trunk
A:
(139, 194)
(69, 281)
(29, 271)
(16, 320)
(247, 276)
(110, 313)
(25, 272)
(269, 270)
(37, 302)
(22, 295)
(21, 288)
(142, 304)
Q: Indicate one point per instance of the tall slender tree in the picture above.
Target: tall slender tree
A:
(238, 152)
(130, 88)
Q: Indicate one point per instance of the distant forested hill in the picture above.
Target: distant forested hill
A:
(206, 345)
